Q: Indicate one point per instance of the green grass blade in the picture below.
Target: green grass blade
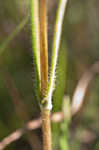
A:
(55, 49)
(13, 35)
(34, 12)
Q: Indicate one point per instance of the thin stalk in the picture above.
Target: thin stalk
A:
(38, 10)
(46, 125)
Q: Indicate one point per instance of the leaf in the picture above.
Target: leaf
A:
(5, 44)
(34, 11)
(55, 49)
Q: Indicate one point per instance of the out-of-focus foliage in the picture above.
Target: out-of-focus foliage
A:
(80, 42)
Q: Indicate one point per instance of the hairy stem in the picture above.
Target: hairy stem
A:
(46, 128)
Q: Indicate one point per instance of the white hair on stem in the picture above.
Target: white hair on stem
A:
(55, 49)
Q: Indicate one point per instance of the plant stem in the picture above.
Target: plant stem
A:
(46, 128)
(46, 125)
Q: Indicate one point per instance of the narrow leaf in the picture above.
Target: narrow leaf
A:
(13, 35)
(55, 49)
(34, 11)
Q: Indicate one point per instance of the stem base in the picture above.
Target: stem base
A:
(46, 129)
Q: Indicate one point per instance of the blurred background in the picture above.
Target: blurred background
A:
(78, 61)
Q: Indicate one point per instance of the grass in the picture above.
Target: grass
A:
(45, 87)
